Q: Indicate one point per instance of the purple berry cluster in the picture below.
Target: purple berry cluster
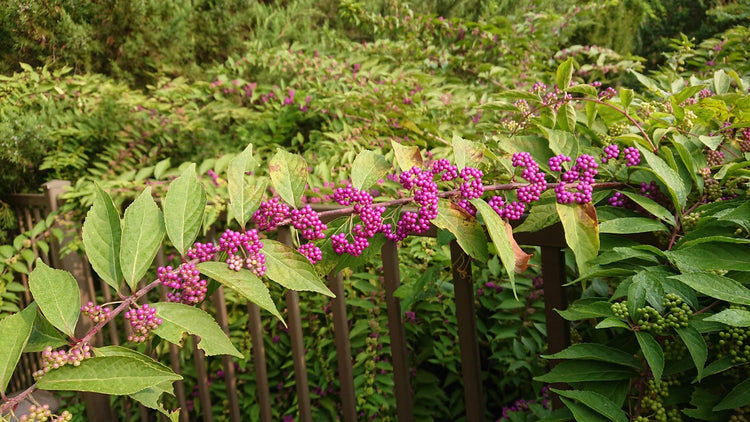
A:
(422, 183)
(53, 359)
(244, 250)
(511, 210)
(142, 321)
(745, 141)
(371, 218)
(308, 222)
(611, 152)
(269, 214)
(202, 251)
(97, 313)
(555, 163)
(607, 94)
(715, 157)
(632, 156)
(537, 184)
(472, 186)
(576, 184)
(188, 286)
(312, 252)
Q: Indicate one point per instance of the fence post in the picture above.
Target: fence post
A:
(343, 348)
(558, 330)
(468, 342)
(392, 279)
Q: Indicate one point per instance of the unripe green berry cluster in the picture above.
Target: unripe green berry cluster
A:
(676, 314)
(43, 414)
(620, 309)
(734, 342)
(689, 221)
(618, 129)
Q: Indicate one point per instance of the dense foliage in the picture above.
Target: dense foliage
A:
(655, 210)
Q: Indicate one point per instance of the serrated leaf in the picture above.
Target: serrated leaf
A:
(43, 334)
(596, 401)
(629, 225)
(582, 413)
(584, 310)
(564, 73)
(161, 167)
(598, 352)
(540, 216)
(291, 269)
(57, 295)
(178, 318)
(243, 282)
(652, 207)
(652, 352)
(368, 168)
(626, 97)
(183, 209)
(581, 232)
(653, 290)
(406, 156)
(696, 345)
(585, 89)
(711, 256)
(243, 198)
(612, 322)
(16, 329)
(667, 175)
(101, 236)
(501, 238)
(466, 153)
(468, 231)
(115, 375)
(732, 317)
(716, 286)
(142, 233)
(737, 398)
(288, 176)
(581, 370)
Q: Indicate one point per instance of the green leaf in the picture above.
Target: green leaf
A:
(115, 375)
(406, 156)
(467, 153)
(652, 207)
(612, 322)
(653, 290)
(291, 269)
(581, 370)
(711, 256)
(585, 89)
(540, 216)
(466, 228)
(243, 282)
(43, 334)
(101, 238)
(161, 167)
(57, 295)
(584, 310)
(183, 209)
(636, 297)
(564, 73)
(562, 142)
(591, 113)
(368, 168)
(500, 238)
(631, 225)
(178, 318)
(596, 401)
(288, 176)
(696, 345)
(581, 232)
(626, 97)
(566, 117)
(142, 234)
(598, 352)
(737, 398)
(711, 142)
(667, 175)
(716, 286)
(243, 198)
(16, 329)
(134, 354)
(732, 317)
(582, 413)
(652, 352)
(721, 82)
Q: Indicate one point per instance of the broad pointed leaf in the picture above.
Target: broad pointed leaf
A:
(564, 73)
(243, 199)
(732, 317)
(142, 234)
(500, 238)
(651, 206)
(57, 295)
(652, 352)
(243, 282)
(596, 401)
(465, 227)
(16, 329)
(696, 345)
(583, 413)
(716, 286)
(667, 175)
(101, 236)
(288, 176)
(183, 209)
(178, 318)
(43, 334)
(116, 375)
(581, 232)
(581, 370)
(406, 156)
(737, 398)
(368, 168)
(599, 352)
(291, 269)
(467, 153)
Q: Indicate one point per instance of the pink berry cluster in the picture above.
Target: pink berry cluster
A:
(715, 157)
(97, 313)
(244, 250)
(269, 214)
(53, 359)
(307, 221)
(202, 251)
(43, 413)
(631, 154)
(510, 210)
(607, 94)
(421, 182)
(532, 174)
(187, 285)
(611, 152)
(371, 221)
(142, 320)
(745, 141)
(576, 184)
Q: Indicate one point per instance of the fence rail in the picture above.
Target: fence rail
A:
(32, 208)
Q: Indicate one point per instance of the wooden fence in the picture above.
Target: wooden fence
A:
(31, 208)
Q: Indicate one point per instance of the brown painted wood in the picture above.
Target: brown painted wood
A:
(343, 348)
